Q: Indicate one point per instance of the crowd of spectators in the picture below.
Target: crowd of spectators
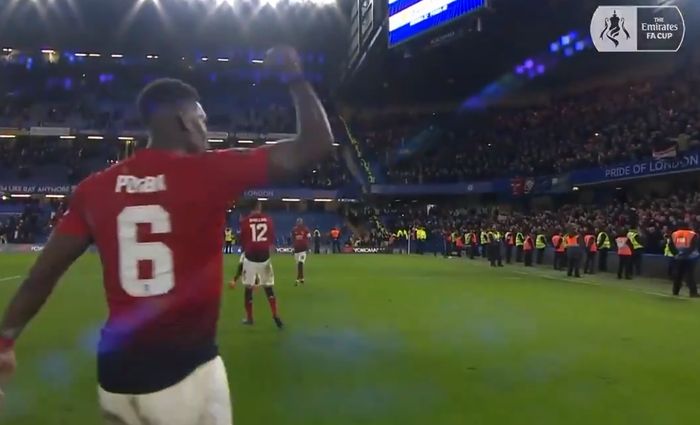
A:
(653, 216)
(32, 223)
(56, 161)
(600, 127)
(60, 161)
(103, 102)
(102, 97)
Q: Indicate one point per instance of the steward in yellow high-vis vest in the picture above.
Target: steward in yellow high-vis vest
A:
(484, 239)
(228, 241)
(519, 242)
(670, 257)
(540, 245)
(604, 244)
(637, 250)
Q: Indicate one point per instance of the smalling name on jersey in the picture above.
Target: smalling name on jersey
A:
(257, 219)
(148, 184)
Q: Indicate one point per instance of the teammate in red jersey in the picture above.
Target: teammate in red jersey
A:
(300, 239)
(156, 220)
(258, 236)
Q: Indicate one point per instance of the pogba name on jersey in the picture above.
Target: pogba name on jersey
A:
(149, 184)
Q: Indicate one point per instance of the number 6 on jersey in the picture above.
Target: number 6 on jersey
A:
(131, 251)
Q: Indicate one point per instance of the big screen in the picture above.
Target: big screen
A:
(411, 18)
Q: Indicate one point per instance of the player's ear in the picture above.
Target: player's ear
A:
(182, 123)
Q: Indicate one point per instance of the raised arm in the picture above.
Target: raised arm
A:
(314, 140)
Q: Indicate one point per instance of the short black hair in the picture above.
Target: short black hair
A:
(164, 92)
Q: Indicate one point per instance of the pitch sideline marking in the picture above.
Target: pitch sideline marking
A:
(4, 279)
(592, 283)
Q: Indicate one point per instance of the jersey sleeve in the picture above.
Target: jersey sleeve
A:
(74, 221)
(235, 170)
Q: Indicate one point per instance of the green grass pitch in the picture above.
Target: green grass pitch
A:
(401, 340)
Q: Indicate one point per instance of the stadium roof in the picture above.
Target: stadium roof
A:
(143, 25)
(513, 32)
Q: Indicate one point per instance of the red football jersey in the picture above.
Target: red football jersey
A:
(257, 236)
(157, 220)
(300, 238)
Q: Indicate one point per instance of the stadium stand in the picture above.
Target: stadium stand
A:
(604, 126)
(610, 125)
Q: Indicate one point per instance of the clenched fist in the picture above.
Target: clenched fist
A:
(285, 59)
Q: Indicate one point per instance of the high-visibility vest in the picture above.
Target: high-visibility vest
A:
(541, 242)
(484, 238)
(623, 249)
(335, 233)
(509, 238)
(633, 236)
(519, 239)
(497, 236)
(682, 239)
(603, 241)
(571, 240)
(667, 248)
(590, 243)
(528, 245)
(556, 239)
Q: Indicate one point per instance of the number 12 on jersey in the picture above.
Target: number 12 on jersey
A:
(258, 232)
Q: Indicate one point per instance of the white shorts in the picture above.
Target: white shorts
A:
(202, 398)
(262, 272)
(300, 257)
(240, 260)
